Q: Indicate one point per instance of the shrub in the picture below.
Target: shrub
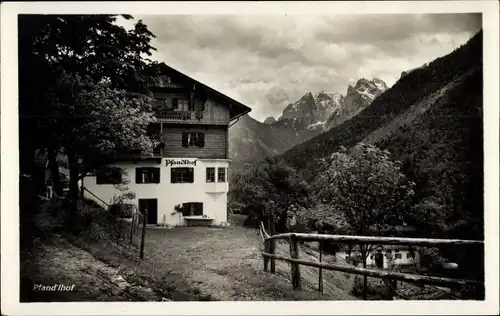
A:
(50, 219)
(122, 210)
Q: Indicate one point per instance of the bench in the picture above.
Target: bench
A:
(198, 221)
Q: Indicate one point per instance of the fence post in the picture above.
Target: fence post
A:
(272, 250)
(132, 229)
(272, 242)
(143, 237)
(320, 286)
(266, 250)
(294, 254)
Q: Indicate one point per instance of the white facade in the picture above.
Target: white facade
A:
(213, 195)
(401, 257)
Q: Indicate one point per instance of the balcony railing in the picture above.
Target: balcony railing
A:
(173, 115)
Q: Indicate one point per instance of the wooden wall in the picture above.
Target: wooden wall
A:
(216, 141)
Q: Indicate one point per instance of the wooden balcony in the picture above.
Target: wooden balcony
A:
(174, 115)
(189, 117)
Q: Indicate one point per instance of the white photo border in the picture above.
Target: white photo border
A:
(10, 160)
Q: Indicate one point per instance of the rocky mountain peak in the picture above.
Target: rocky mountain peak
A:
(380, 84)
(270, 120)
(361, 95)
(308, 97)
(350, 89)
(368, 85)
(362, 82)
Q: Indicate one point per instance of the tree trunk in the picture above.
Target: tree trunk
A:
(73, 190)
(54, 171)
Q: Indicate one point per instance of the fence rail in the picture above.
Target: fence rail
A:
(379, 240)
(98, 198)
(270, 256)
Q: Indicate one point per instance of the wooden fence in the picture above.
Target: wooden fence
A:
(270, 256)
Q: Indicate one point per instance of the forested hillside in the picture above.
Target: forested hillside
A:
(442, 151)
(440, 147)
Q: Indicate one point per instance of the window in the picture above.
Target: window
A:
(182, 175)
(193, 139)
(159, 102)
(210, 174)
(192, 209)
(372, 257)
(109, 175)
(162, 104)
(168, 105)
(181, 104)
(221, 174)
(398, 256)
(147, 175)
(408, 255)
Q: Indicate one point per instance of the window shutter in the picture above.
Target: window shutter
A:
(116, 175)
(185, 209)
(185, 139)
(172, 175)
(190, 175)
(138, 175)
(201, 140)
(156, 175)
(198, 209)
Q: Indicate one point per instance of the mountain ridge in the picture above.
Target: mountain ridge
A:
(311, 115)
(390, 103)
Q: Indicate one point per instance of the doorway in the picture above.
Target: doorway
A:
(379, 260)
(152, 206)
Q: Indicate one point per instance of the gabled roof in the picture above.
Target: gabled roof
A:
(236, 109)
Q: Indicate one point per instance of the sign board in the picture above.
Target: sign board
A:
(180, 162)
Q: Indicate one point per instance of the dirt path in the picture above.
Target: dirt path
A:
(181, 264)
(225, 264)
(74, 274)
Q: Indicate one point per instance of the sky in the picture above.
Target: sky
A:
(269, 61)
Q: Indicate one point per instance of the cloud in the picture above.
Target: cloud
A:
(269, 61)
